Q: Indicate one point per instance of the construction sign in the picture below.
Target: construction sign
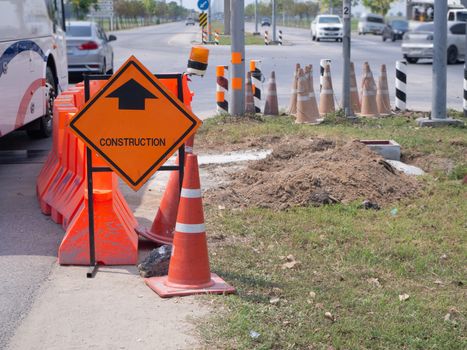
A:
(135, 123)
(203, 19)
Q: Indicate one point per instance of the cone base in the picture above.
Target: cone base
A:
(154, 237)
(158, 285)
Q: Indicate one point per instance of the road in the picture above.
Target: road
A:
(29, 240)
(166, 49)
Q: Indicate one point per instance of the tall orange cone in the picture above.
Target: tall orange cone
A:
(306, 112)
(382, 93)
(311, 93)
(189, 271)
(326, 99)
(293, 98)
(163, 226)
(249, 99)
(369, 105)
(271, 106)
(354, 96)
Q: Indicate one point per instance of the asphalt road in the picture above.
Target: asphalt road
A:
(166, 48)
(29, 240)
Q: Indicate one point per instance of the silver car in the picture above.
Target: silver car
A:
(418, 43)
(88, 48)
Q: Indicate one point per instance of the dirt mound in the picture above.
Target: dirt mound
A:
(314, 172)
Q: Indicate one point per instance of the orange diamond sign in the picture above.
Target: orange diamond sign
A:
(135, 123)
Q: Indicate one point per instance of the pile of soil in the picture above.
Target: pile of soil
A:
(314, 172)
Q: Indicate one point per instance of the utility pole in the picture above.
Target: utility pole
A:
(346, 14)
(465, 75)
(274, 21)
(237, 49)
(227, 17)
(209, 22)
(439, 105)
(256, 18)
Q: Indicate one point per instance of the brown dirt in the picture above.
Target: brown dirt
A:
(314, 172)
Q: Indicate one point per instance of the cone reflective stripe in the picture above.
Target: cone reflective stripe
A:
(256, 75)
(222, 87)
(266, 39)
(280, 37)
(189, 271)
(198, 62)
(322, 67)
(354, 96)
(369, 105)
(249, 100)
(271, 107)
(293, 98)
(307, 112)
(326, 99)
(401, 85)
(382, 93)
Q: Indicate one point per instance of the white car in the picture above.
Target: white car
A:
(371, 23)
(327, 27)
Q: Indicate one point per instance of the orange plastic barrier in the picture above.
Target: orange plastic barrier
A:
(115, 239)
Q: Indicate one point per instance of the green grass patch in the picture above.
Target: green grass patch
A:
(351, 263)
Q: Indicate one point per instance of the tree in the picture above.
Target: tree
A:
(378, 6)
(82, 7)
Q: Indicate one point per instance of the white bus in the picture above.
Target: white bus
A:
(33, 64)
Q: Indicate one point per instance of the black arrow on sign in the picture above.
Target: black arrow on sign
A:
(131, 95)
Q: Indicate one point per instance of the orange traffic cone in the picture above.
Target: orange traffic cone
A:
(271, 106)
(162, 229)
(311, 94)
(306, 111)
(326, 99)
(369, 105)
(189, 271)
(249, 99)
(354, 96)
(382, 93)
(293, 99)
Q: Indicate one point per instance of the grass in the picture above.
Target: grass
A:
(353, 263)
(250, 39)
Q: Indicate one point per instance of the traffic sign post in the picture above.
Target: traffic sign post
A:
(135, 123)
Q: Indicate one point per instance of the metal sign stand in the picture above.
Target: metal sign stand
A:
(93, 264)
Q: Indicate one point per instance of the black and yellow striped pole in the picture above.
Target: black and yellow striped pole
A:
(203, 21)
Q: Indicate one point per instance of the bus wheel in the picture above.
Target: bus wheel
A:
(42, 127)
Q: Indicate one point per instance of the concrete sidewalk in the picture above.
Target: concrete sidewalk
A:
(115, 310)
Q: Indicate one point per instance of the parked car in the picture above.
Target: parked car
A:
(326, 27)
(395, 29)
(88, 48)
(265, 21)
(418, 43)
(190, 21)
(371, 23)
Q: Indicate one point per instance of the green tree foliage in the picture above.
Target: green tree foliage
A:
(147, 8)
(302, 9)
(82, 7)
(378, 6)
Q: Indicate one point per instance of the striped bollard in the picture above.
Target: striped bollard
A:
(222, 89)
(216, 38)
(205, 36)
(401, 85)
(256, 77)
(266, 39)
(322, 67)
(280, 37)
(465, 89)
